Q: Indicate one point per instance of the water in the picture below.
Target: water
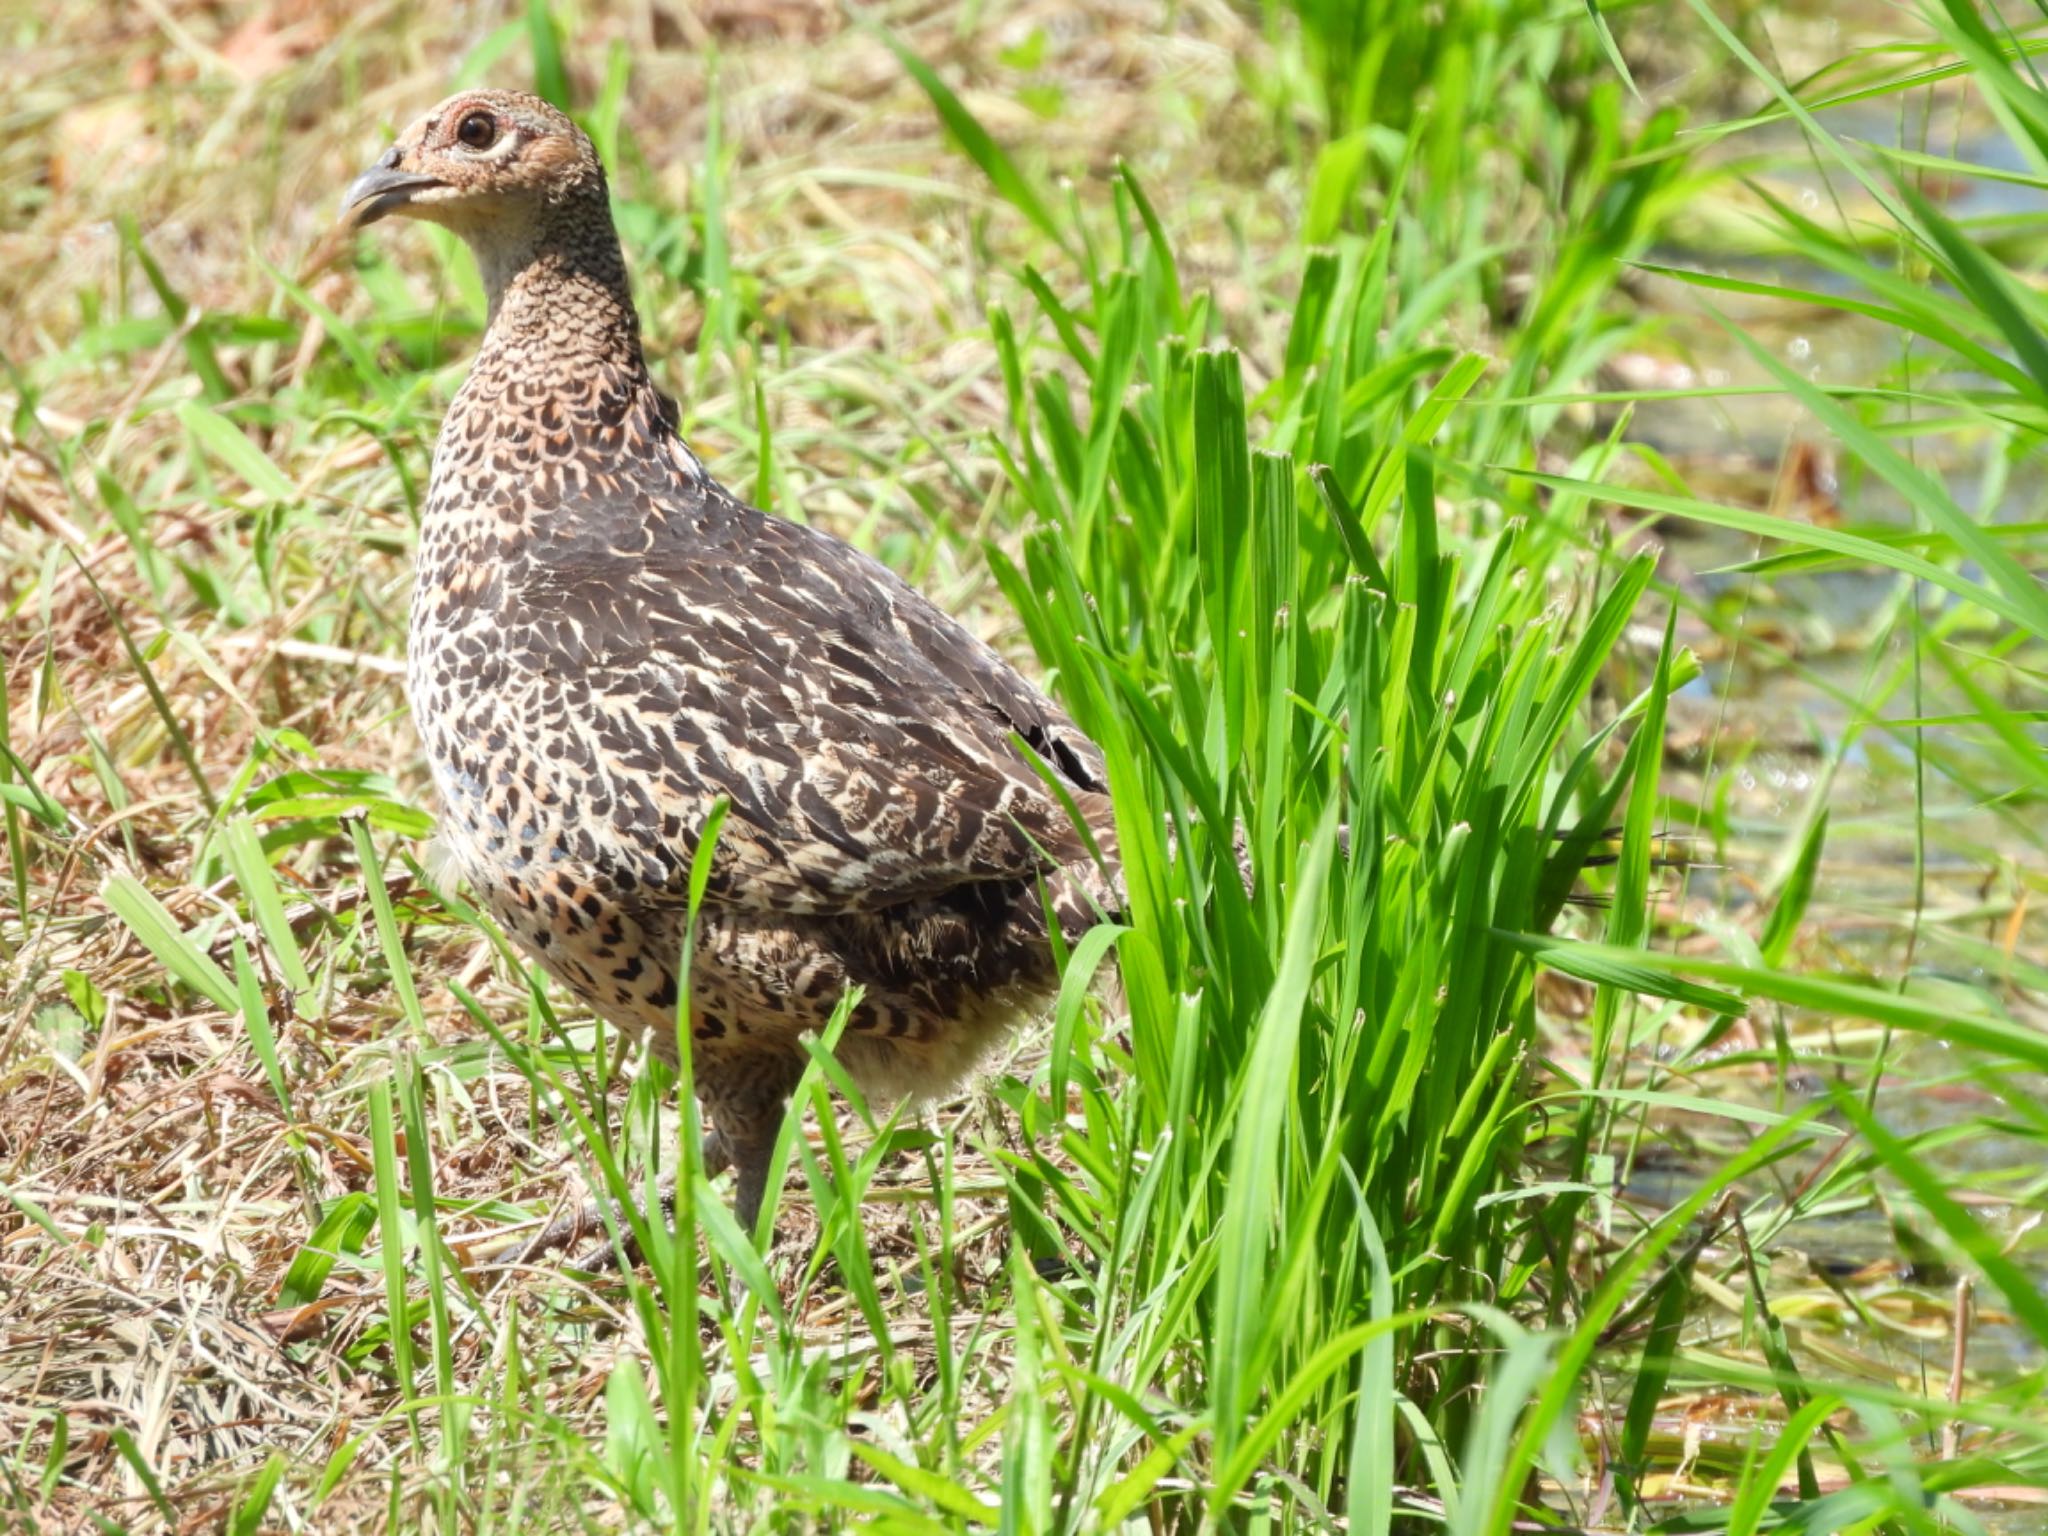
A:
(1797, 668)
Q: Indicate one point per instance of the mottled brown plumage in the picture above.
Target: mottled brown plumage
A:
(605, 642)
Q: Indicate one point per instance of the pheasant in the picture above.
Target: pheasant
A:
(605, 643)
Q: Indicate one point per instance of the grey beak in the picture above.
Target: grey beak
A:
(382, 189)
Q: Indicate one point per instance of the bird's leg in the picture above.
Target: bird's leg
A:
(747, 1103)
(750, 1161)
(747, 1152)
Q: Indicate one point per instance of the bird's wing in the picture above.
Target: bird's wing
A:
(862, 737)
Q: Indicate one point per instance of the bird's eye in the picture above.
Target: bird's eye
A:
(478, 130)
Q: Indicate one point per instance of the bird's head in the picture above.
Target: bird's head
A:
(480, 162)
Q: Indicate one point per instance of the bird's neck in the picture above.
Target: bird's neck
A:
(558, 414)
(561, 312)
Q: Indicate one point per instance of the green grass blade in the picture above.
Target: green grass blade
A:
(160, 934)
(976, 142)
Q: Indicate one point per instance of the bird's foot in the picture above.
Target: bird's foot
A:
(625, 1253)
(574, 1226)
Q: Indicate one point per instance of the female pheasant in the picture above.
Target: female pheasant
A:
(605, 643)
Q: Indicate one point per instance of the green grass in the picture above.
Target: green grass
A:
(1613, 1103)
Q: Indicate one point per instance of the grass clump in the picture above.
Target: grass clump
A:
(1298, 385)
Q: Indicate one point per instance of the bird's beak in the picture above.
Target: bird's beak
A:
(380, 190)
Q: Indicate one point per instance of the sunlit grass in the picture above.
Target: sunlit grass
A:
(1270, 381)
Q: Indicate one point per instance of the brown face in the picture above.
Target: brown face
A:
(478, 154)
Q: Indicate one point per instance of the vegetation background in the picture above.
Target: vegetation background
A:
(1527, 431)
